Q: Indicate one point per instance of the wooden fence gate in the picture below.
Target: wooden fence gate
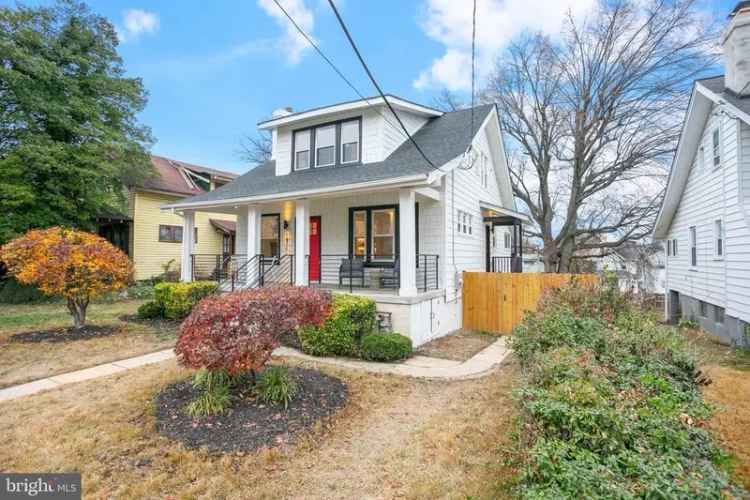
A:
(496, 302)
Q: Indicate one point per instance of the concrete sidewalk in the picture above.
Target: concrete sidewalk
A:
(417, 366)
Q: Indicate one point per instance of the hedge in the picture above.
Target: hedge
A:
(177, 299)
(352, 318)
(385, 347)
(13, 292)
(610, 404)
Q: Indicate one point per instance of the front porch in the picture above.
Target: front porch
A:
(386, 242)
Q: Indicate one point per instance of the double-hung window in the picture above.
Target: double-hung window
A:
(383, 234)
(718, 238)
(693, 247)
(717, 148)
(325, 146)
(302, 150)
(270, 241)
(350, 141)
(359, 232)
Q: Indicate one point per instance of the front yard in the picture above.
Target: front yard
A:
(22, 360)
(397, 437)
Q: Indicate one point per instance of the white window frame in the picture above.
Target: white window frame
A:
(359, 139)
(295, 151)
(716, 148)
(317, 147)
(506, 240)
(374, 235)
(674, 247)
(693, 240)
(719, 239)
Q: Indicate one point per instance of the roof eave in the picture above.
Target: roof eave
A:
(412, 180)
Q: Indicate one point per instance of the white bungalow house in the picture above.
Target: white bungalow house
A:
(705, 216)
(348, 202)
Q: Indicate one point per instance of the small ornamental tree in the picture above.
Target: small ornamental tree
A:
(237, 332)
(75, 265)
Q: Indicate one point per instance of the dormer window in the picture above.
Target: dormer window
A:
(350, 141)
(325, 146)
(302, 150)
(329, 144)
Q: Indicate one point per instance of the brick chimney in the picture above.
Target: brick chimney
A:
(736, 44)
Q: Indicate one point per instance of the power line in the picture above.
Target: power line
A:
(375, 83)
(330, 62)
(469, 154)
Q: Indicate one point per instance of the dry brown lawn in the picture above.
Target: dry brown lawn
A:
(396, 438)
(729, 370)
(458, 346)
(23, 362)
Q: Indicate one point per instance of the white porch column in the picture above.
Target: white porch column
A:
(407, 245)
(252, 231)
(301, 241)
(188, 232)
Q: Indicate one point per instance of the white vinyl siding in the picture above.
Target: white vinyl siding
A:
(712, 195)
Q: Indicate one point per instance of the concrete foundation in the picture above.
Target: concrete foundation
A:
(731, 331)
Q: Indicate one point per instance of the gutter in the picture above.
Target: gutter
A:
(413, 180)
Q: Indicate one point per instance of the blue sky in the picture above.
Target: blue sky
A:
(214, 69)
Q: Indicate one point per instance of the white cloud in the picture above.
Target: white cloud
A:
(136, 22)
(498, 22)
(292, 43)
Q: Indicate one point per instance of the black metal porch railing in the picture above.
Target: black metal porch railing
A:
(380, 272)
(506, 264)
(276, 270)
(213, 266)
(428, 272)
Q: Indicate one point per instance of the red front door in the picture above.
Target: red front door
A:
(315, 248)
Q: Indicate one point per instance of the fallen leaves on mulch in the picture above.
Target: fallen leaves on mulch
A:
(67, 334)
(249, 424)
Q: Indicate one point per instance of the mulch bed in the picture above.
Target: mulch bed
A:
(250, 424)
(159, 323)
(67, 334)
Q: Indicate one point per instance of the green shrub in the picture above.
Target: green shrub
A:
(178, 299)
(142, 290)
(352, 317)
(214, 397)
(610, 404)
(688, 323)
(150, 310)
(13, 292)
(277, 386)
(385, 347)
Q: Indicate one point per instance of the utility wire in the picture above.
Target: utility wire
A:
(330, 63)
(469, 153)
(375, 83)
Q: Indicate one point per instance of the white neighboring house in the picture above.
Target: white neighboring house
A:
(640, 268)
(705, 216)
(347, 202)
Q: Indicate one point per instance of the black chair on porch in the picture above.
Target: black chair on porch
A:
(390, 275)
(352, 269)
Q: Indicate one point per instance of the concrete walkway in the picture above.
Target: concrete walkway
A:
(479, 365)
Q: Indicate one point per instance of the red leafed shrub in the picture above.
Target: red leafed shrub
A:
(238, 331)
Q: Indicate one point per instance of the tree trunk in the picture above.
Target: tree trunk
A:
(77, 308)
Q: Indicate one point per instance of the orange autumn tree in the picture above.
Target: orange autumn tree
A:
(76, 265)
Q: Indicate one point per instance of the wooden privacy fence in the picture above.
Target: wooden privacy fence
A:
(496, 302)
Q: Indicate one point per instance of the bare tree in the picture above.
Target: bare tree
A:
(447, 101)
(594, 119)
(255, 149)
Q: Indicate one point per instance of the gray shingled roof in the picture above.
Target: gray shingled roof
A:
(716, 85)
(442, 139)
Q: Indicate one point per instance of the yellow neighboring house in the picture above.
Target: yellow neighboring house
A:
(152, 237)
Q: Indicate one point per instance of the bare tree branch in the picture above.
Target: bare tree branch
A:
(595, 118)
(255, 149)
